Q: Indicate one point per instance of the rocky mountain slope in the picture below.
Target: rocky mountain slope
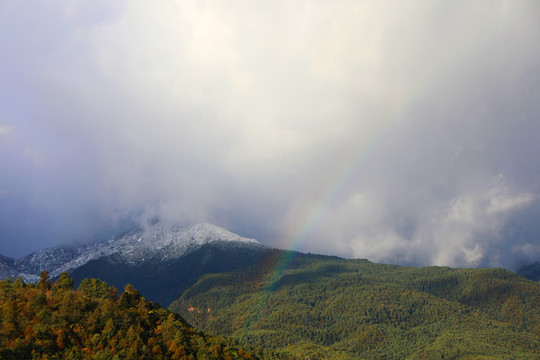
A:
(155, 242)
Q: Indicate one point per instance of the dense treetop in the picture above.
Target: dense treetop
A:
(331, 308)
(287, 306)
(52, 321)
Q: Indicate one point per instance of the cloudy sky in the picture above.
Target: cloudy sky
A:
(402, 132)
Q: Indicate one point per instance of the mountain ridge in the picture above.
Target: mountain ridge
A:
(332, 308)
(304, 304)
(156, 241)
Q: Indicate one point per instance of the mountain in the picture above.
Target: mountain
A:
(329, 308)
(531, 271)
(292, 304)
(155, 242)
(53, 321)
(163, 281)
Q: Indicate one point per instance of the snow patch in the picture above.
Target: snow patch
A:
(156, 241)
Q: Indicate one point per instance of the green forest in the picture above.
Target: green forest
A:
(53, 321)
(288, 306)
(331, 308)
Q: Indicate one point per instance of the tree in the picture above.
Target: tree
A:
(44, 282)
(64, 282)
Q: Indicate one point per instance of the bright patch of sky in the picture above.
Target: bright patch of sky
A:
(399, 132)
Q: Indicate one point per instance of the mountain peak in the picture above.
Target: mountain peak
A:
(156, 241)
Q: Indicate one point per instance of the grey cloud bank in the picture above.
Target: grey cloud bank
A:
(403, 133)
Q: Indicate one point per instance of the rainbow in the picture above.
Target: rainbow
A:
(301, 228)
(300, 232)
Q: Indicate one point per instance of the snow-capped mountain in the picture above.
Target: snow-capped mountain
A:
(152, 242)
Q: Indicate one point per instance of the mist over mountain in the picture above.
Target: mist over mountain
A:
(161, 260)
(403, 133)
(153, 256)
(285, 303)
(379, 159)
(154, 242)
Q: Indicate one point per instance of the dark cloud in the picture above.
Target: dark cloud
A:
(399, 133)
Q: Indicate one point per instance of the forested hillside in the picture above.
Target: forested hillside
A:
(319, 307)
(53, 321)
(330, 308)
(165, 281)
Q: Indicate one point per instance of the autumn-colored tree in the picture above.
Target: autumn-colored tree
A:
(53, 321)
(44, 282)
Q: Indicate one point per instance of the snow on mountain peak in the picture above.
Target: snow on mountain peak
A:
(155, 241)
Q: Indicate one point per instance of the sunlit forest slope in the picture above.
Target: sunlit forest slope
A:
(53, 321)
(331, 308)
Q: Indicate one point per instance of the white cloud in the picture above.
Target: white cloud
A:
(461, 231)
(38, 159)
(373, 124)
(469, 231)
(501, 202)
(5, 130)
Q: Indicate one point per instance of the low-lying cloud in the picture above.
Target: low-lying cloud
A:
(403, 133)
